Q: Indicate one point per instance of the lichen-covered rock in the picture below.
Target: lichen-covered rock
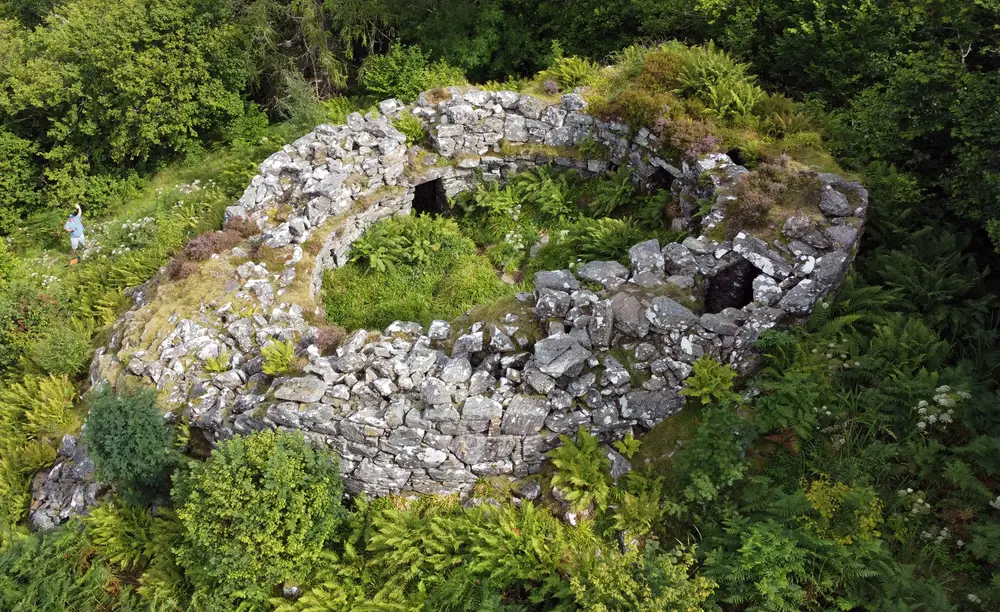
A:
(305, 390)
(609, 274)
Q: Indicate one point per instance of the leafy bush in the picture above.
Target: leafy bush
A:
(57, 570)
(711, 382)
(415, 240)
(411, 127)
(569, 72)
(128, 441)
(278, 357)
(120, 105)
(20, 184)
(66, 350)
(248, 128)
(582, 472)
(404, 72)
(25, 312)
(256, 513)
(612, 193)
(34, 414)
(219, 363)
(586, 240)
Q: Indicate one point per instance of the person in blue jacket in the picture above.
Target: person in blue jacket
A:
(74, 225)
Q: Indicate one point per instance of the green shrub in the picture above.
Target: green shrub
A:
(121, 105)
(711, 382)
(57, 570)
(582, 472)
(256, 513)
(10, 266)
(604, 239)
(248, 128)
(25, 312)
(612, 193)
(128, 441)
(20, 184)
(414, 240)
(278, 357)
(218, 364)
(570, 72)
(34, 414)
(66, 349)
(411, 127)
(404, 72)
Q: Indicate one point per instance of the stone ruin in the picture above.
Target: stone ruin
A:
(604, 346)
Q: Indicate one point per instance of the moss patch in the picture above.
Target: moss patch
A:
(660, 443)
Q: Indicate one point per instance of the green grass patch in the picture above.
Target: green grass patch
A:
(413, 269)
(660, 443)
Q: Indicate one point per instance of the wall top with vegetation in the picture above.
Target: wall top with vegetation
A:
(228, 336)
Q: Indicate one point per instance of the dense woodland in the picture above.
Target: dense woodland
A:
(858, 470)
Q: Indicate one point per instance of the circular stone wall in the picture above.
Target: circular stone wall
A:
(604, 346)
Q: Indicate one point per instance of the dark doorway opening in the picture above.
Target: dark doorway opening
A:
(660, 179)
(732, 287)
(430, 198)
(736, 156)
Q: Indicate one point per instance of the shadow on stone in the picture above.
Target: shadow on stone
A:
(732, 287)
(430, 197)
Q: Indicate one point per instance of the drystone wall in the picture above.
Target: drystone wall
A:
(604, 346)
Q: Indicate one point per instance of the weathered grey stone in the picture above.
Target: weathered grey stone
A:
(609, 274)
(552, 304)
(530, 107)
(801, 299)
(652, 407)
(615, 373)
(457, 370)
(766, 290)
(718, 324)
(439, 330)
(629, 315)
(481, 382)
(619, 464)
(560, 354)
(305, 390)
(525, 415)
(499, 341)
(601, 323)
(435, 391)
(573, 102)
(665, 313)
(558, 280)
(646, 257)
(478, 408)
(647, 280)
(404, 327)
(537, 380)
(468, 344)
(797, 226)
(830, 268)
(757, 253)
(842, 235)
(678, 260)
(834, 203)
(680, 282)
